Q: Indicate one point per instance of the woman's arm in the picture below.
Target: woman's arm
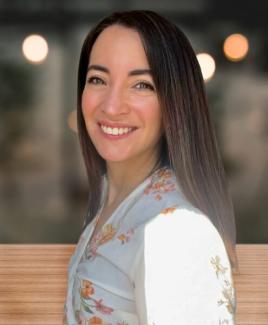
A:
(183, 274)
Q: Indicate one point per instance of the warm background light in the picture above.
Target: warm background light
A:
(207, 65)
(35, 48)
(235, 47)
(72, 121)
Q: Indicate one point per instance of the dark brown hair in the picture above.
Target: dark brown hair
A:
(189, 144)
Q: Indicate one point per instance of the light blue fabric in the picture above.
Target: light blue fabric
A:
(156, 261)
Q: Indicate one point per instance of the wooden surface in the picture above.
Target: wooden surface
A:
(33, 284)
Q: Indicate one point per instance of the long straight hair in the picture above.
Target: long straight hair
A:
(189, 143)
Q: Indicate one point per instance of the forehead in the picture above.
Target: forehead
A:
(118, 44)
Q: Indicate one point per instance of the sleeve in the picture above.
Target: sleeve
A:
(183, 274)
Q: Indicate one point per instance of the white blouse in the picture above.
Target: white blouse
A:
(156, 261)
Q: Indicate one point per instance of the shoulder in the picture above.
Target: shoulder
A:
(160, 192)
(186, 221)
(188, 233)
(185, 249)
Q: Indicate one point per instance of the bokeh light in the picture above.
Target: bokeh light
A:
(72, 121)
(235, 47)
(207, 65)
(35, 48)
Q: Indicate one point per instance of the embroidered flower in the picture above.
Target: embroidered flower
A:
(106, 234)
(101, 307)
(125, 237)
(161, 182)
(86, 292)
(217, 266)
(87, 289)
(95, 321)
(228, 298)
(169, 210)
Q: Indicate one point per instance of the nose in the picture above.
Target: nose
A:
(115, 103)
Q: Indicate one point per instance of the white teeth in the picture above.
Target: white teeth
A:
(115, 131)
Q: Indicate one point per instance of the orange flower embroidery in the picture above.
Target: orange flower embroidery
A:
(106, 234)
(87, 290)
(168, 210)
(126, 237)
(95, 321)
(122, 237)
(161, 182)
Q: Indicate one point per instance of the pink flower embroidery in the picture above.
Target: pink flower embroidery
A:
(86, 294)
(102, 308)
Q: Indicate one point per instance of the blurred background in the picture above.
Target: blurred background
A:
(43, 186)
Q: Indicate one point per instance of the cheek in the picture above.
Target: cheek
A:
(149, 111)
(88, 103)
(154, 118)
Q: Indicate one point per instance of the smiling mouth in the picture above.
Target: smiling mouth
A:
(116, 131)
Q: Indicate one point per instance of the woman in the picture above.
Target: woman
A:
(158, 244)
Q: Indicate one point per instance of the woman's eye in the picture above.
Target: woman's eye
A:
(95, 81)
(144, 85)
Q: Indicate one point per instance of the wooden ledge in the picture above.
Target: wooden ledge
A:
(33, 283)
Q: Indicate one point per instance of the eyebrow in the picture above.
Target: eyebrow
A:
(135, 72)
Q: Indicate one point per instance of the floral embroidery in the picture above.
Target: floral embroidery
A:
(102, 308)
(94, 320)
(125, 237)
(218, 267)
(169, 210)
(228, 298)
(162, 181)
(86, 292)
(87, 289)
(106, 234)
(97, 321)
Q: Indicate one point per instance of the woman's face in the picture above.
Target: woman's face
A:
(119, 102)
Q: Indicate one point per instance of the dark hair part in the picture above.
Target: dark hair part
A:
(189, 145)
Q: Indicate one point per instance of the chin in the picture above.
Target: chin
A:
(114, 157)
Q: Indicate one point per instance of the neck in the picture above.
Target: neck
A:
(123, 177)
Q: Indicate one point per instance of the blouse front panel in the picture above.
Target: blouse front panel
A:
(156, 261)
